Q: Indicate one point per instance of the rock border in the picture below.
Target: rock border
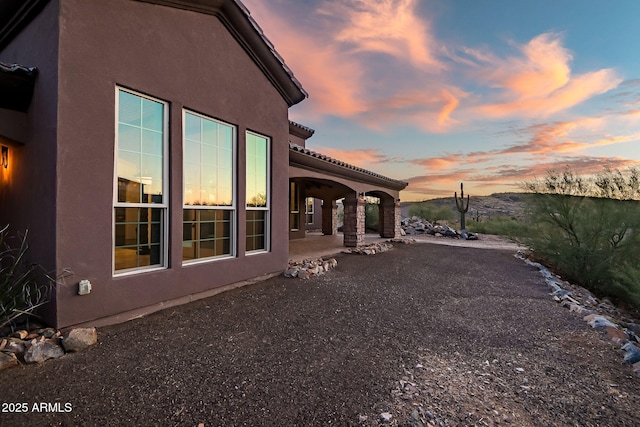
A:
(599, 314)
(43, 344)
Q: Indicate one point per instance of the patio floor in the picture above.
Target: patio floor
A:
(316, 245)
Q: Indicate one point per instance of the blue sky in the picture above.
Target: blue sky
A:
(491, 93)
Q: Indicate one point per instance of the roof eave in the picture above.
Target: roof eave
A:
(299, 156)
(16, 87)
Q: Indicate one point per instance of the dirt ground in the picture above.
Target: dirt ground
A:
(424, 334)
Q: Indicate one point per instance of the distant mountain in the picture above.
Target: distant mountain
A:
(511, 205)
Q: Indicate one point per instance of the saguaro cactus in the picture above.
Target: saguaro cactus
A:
(462, 208)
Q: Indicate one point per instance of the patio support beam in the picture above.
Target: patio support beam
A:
(389, 218)
(354, 212)
(329, 217)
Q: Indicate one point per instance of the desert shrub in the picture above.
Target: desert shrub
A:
(501, 226)
(23, 286)
(371, 216)
(592, 241)
(432, 212)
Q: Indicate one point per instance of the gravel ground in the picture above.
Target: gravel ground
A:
(427, 334)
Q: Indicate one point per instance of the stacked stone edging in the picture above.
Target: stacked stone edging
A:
(625, 334)
(43, 344)
(309, 267)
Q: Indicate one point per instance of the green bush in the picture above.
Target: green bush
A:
(371, 216)
(23, 286)
(591, 241)
(432, 212)
(501, 226)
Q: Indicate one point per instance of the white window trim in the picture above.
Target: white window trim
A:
(267, 231)
(311, 212)
(234, 196)
(165, 189)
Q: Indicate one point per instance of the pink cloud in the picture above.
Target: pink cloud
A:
(334, 81)
(388, 26)
(540, 82)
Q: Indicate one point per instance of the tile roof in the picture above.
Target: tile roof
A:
(327, 159)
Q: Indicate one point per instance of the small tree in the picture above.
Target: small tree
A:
(589, 239)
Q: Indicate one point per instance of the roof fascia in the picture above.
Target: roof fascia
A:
(305, 161)
(300, 131)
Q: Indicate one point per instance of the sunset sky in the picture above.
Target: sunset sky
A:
(492, 93)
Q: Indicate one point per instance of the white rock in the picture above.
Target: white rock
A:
(385, 416)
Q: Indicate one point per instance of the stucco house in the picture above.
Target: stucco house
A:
(147, 149)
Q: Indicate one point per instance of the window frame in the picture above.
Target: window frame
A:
(267, 208)
(294, 206)
(233, 238)
(164, 206)
(309, 213)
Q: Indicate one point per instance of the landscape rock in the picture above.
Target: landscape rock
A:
(386, 417)
(7, 360)
(21, 334)
(370, 249)
(630, 353)
(309, 267)
(600, 322)
(78, 339)
(416, 225)
(41, 351)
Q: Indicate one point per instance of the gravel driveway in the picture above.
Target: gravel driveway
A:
(426, 334)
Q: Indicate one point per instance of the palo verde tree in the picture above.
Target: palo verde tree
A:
(588, 229)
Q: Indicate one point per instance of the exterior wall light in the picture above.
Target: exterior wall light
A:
(5, 157)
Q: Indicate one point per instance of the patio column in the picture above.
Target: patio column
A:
(329, 217)
(389, 218)
(353, 228)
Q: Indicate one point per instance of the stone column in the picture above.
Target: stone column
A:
(329, 217)
(353, 228)
(389, 219)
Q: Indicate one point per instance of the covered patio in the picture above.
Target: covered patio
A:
(312, 174)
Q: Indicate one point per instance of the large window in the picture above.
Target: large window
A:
(209, 205)
(140, 205)
(257, 162)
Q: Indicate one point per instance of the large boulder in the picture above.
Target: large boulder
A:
(41, 351)
(78, 339)
(7, 360)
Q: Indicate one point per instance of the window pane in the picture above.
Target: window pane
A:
(128, 138)
(152, 176)
(138, 237)
(192, 127)
(210, 133)
(152, 115)
(151, 142)
(209, 155)
(129, 191)
(203, 153)
(208, 236)
(256, 165)
(192, 152)
(256, 227)
(129, 108)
